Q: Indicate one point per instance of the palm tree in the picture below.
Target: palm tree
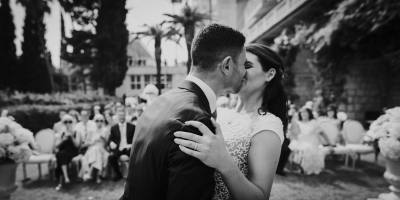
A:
(158, 32)
(37, 9)
(189, 19)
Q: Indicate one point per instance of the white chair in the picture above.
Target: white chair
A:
(45, 140)
(332, 132)
(353, 134)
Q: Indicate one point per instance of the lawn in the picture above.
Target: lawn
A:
(336, 182)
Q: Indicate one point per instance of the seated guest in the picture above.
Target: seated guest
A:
(305, 143)
(108, 118)
(96, 110)
(96, 157)
(120, 141)
(75, 114)
(83, 128)
(292, 111)
(130, 113)
(139, 111)
(67, 144)
(331, 113)
(59, 125)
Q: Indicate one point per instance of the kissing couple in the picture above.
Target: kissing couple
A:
(185, 148)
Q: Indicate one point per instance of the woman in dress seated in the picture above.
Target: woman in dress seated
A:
(67, 144)
(95, 158)
(306, 141)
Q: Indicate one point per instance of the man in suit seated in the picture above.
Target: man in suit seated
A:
(120, 141)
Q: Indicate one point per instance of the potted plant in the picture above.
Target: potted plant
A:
(14, 148)
(386, 131)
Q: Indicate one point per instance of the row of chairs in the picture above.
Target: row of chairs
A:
(353, 134)
(45, 139)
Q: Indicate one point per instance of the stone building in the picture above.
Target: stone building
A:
(370, 86)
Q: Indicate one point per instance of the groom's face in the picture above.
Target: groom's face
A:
(239, 71)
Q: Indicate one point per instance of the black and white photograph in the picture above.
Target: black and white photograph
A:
(199, 100)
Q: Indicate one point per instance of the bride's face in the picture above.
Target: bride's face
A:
(255, 79)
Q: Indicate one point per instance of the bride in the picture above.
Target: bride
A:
(246, 147)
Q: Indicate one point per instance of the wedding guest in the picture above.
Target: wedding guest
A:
(108, 118)
(96, 110)
(292, 111)
(75, 114)
(84, 127)
(96, 157)
(120, 141)
(285, 153)
(130, 113)
(138, 112)
(67, 144)
(332, 116)
(305, 133)
(57, 127)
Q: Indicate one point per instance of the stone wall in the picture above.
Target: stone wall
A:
(370, 87)
(365, 89)
(304, 78)
(393, 95)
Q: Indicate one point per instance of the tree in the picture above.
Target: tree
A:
(82, 55)
(188, 20)
(159, 32)
(111, 43)
(341, 32)
(8, 57)
(84, 14)
(37, 70)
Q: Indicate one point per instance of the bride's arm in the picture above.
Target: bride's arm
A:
(263, 159)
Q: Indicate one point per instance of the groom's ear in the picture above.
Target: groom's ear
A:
(227, 65)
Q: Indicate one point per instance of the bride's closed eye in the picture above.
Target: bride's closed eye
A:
(248, 65)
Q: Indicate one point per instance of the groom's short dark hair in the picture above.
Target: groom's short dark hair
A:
(213, 43)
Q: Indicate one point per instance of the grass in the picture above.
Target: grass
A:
(336, 182)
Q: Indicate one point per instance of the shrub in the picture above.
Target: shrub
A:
(38, 117)
(51, 99)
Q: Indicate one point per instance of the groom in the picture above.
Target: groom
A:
(158, 169)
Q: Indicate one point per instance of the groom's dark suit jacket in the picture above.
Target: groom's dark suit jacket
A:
(158, 169)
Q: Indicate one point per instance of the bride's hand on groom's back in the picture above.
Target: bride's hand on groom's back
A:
(209, 148)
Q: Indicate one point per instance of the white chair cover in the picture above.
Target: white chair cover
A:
(45, 139)
(331, 130)
(353, 132)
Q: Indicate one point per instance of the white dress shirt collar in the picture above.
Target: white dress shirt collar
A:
(122, 124)
(210, 94)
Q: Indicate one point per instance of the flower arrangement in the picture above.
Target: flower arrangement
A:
(14, 141)
(386, 130)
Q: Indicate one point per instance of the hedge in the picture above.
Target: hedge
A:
(38, 117)
(15, 99)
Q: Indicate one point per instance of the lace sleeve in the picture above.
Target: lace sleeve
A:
(269, 122)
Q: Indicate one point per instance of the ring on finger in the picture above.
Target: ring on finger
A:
(195, 146)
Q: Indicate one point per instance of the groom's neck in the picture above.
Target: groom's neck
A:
(212, 81)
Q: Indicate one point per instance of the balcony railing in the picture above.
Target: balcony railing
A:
(279, 12)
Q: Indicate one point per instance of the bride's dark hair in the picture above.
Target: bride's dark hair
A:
(274, 96)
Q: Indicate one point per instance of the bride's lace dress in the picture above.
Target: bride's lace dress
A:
(238, 129)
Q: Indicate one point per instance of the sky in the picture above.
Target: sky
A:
(139, 12)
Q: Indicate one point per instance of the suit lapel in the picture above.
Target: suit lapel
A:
(118, 132)
(193, 87)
